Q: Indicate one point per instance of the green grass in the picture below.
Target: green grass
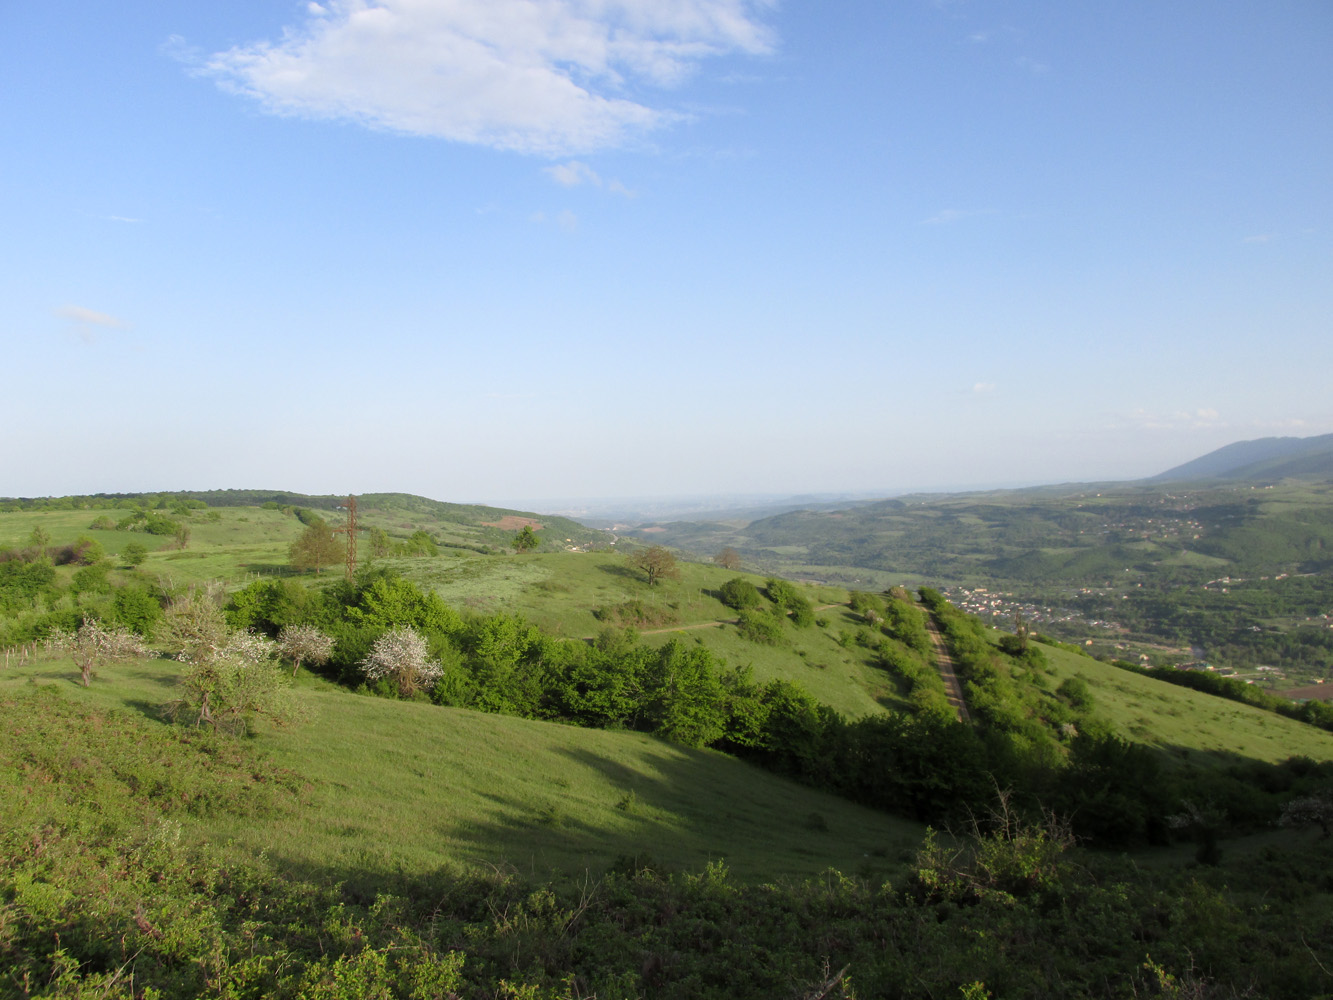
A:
(1187, 722)
(408, 787)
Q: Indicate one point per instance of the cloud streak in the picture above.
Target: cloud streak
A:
(547, 77)
(85, 321)
(575, 172)
(1199, 419)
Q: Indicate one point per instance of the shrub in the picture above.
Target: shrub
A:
(401, 656)
(304, 644)
(760, 626)
(739, 593)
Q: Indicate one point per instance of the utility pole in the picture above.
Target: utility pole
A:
(350, 531)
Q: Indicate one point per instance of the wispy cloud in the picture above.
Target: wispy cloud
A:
(572, 174)
(536, 76)
(86, 321)
(121, 218)
(983, 388)
(1260, 238)
(1198, 419)
(566, 219)
(575, 172)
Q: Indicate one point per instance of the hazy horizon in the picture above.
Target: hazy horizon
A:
(641, 250)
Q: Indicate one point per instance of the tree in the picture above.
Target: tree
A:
(526, 540)
(657, 564)
(419, 543)
(134, 554)
(402, 656)
(315, 549)
(379, 543)
(304, 644)
(1312, 810)
(88, 551)
(94, 645)
(739, 593)
(230, 676)
(728, 558)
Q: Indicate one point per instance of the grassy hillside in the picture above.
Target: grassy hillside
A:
(377, 846)
(390, 786)
(561, 591)
(1188, 724)
(1110, 562)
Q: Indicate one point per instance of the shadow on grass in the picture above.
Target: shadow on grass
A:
(272, 569)
(621, 571)
(154, 710)
(673, 810)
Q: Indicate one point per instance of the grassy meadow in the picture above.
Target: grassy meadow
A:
(405, 787)
(1188, 724)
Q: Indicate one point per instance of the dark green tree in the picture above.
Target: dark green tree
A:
(316, 548)
(739, 593)
(526, 540)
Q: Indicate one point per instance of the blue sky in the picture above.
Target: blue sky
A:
(499, 250)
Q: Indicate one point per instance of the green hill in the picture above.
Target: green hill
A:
(378, 846)
(1189, 725)
(389, 786)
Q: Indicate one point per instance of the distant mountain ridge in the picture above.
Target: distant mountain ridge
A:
(1265, 458)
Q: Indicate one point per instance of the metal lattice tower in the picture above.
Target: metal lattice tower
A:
(350, 531)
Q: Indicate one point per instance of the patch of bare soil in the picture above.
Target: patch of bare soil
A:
(512, 522)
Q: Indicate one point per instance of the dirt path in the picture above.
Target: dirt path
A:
(951, 686)
(716, 624)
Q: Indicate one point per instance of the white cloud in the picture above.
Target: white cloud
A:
(535, 76)
(84, 320)
(982, 388)
(573, 173)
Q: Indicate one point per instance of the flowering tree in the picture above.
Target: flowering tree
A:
(304, 644)
(231, 676)
(94, 644)
(401, 654)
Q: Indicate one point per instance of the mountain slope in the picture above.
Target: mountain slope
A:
(1264, 458)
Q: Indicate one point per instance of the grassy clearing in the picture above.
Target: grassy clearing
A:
(1186, 722)
(405, 787)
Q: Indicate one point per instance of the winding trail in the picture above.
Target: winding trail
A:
(952, 688)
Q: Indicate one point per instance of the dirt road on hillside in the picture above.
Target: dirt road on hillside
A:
(951, 685)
